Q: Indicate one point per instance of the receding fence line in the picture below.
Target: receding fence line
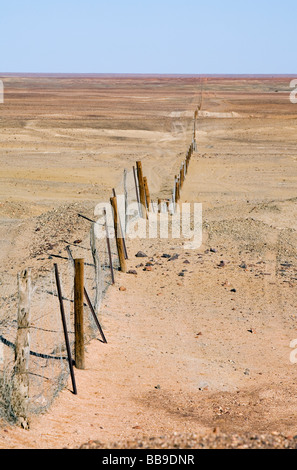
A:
(22, 347)
(180, 178)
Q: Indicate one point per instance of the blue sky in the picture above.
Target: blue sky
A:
(155, 36)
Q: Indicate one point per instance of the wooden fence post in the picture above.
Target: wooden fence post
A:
(97, 267)
(159, 205)
(141, 189)
(79, 313)
(20, 377)
(121, 227)
(136, 190)
(147, 193)
(108, 247)
(119, 240)
(176, 190)
(181, 177)
(126, 200)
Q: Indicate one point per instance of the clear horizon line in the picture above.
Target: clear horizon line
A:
(151, 74)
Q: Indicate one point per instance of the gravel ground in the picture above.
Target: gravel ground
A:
(216, 440)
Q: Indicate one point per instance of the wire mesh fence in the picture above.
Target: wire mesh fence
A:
(48, 364)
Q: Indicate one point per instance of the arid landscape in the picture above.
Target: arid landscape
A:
(198, 351)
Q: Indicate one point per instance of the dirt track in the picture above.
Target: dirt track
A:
(185, 354)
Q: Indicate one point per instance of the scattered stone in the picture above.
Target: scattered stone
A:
(140, 254)
(222, 264)
(243, 265)
(247, 372)
(147, 268)
(132, 271)
(203, 386)
(181, 274)
(149, 263)
(233, 290)
(213, 250)
(158, 387)
(165, 255)
(139, 265)
(173, 257)
(186, 261)
(77, 241)
(122, 288)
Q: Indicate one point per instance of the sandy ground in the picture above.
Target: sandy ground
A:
(186, 353)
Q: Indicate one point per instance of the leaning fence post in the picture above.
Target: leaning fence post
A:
(78, 313)
(20, 378)
(119, 240)
(70, 362)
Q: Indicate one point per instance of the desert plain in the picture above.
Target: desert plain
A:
(202, 358)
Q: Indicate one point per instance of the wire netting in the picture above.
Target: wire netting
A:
(48, 366)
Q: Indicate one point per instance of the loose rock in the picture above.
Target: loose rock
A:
(140, 254)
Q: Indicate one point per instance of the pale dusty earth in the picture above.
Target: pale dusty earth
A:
(186, 354)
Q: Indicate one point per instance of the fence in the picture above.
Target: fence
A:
(37, 344)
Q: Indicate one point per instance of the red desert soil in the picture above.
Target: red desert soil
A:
(186, 354)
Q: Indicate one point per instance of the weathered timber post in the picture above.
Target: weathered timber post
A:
(96, 266)
(141, 189)
(121, 227)
(147, 192)
(126, 200)
(119, 240)
(181, 177)
(20, 376)
(79, 346)
(176, 190)
(108, 247)
(136, 190)
(159, 206)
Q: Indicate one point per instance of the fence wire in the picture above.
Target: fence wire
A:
(48, 367)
